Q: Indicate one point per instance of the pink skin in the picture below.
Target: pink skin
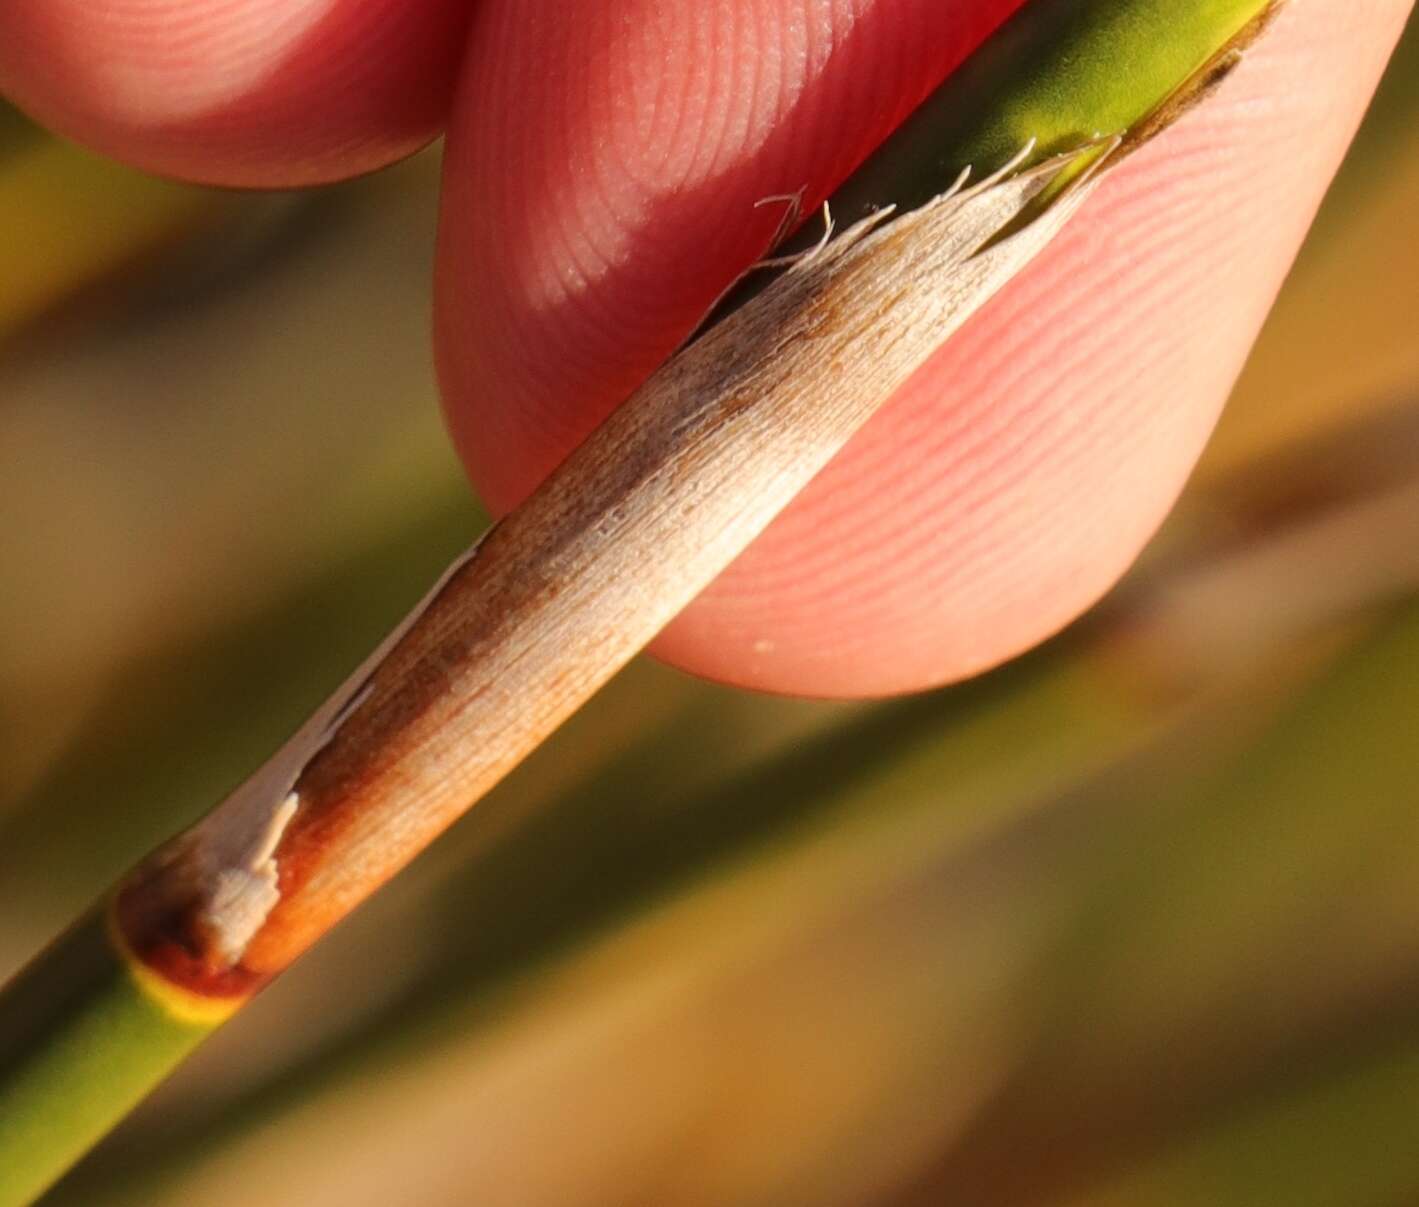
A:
(603, 164)
(258, 93)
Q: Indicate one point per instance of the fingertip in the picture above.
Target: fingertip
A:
(583, 238)
(261, 93)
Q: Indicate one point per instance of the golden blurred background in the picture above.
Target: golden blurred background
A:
(1132, 921)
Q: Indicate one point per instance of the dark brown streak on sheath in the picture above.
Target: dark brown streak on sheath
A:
(165, 936)
(420, 671)
(1204, 82)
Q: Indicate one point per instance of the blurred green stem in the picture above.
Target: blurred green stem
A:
(83, 1031)
(82, 217)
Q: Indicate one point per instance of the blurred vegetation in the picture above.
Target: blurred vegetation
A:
(1131, 921)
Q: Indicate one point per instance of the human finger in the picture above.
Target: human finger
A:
(1020, 472)
(262, 93)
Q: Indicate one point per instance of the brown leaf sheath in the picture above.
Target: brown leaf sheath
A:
(566, 589)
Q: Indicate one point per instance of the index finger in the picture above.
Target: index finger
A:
(264, 93)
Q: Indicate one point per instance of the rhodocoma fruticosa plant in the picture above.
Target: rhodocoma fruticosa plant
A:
(1100, 195)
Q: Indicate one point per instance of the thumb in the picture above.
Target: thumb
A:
(601, 163)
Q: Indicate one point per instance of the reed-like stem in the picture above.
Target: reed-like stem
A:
(570, 586)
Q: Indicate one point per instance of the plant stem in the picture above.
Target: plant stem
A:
(556, 599)
(85, 1033)
(566, 589)
(559, 596)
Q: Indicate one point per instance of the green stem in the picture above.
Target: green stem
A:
(1062, 73)
(85, 1033)
(1082, 70)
